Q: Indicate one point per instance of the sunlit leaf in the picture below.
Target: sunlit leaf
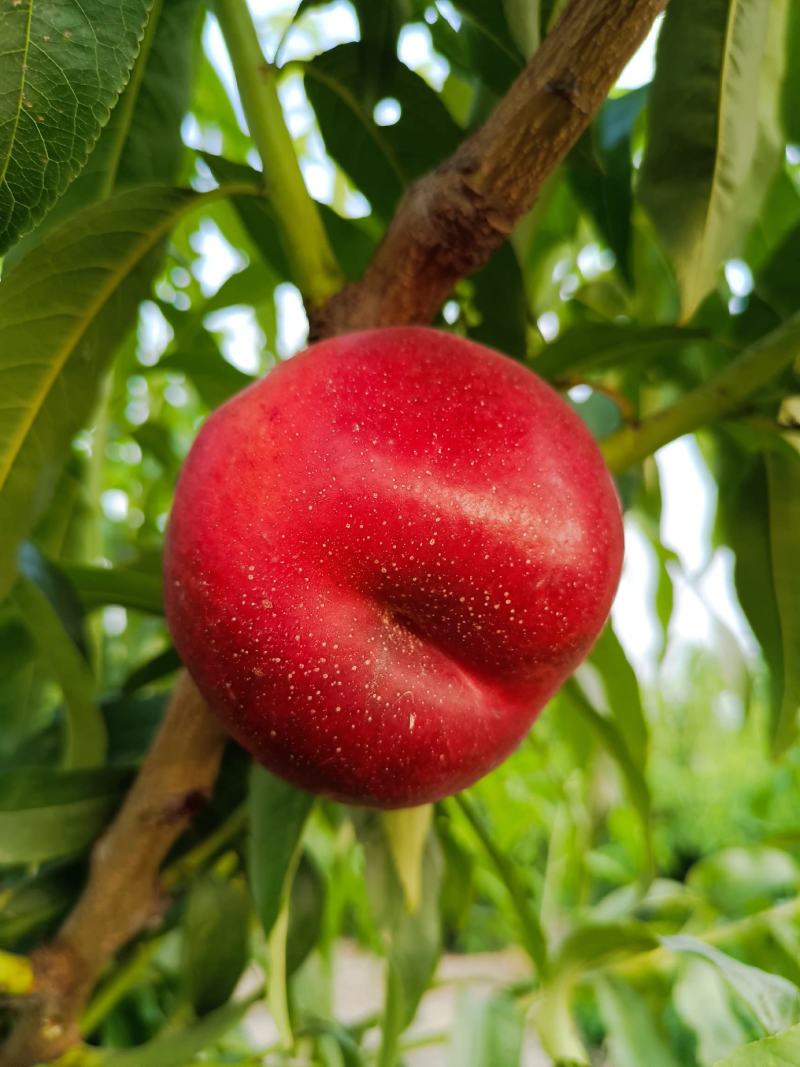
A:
(63, 310)
(782, 1050)
(774, 1001)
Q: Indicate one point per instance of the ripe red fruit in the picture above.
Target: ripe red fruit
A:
(385, 557)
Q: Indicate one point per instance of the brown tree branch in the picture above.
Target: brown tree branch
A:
(447, 226)
(450, 222)
(122, 894)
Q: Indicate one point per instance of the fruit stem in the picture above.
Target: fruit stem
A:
(313, 263)
(726, 391)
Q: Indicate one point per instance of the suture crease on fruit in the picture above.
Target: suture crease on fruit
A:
(385, 557)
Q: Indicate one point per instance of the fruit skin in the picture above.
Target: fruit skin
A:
(385, 557)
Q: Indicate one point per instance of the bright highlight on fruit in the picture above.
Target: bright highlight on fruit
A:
(383, 560)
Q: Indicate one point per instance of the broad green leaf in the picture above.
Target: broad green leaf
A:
(46, 813)
(782, 1050)
(714, 138)
(177, 1048)
(703, 1003)
(633, 1036)
(487, 1032)
(85, 733)
(380, 160)
(773, 1000)
(141, 143)
(63, 310)
(63, 67)
(136, 587)
(783, 478)
(278, 815)
(622, 692)
(215, 941)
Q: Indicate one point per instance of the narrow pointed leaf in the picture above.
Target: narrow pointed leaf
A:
(63, 311)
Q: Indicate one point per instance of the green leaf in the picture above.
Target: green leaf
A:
(487, 1032)
(601, 173)
(59, 591)
(353, 240)
(278, 815)
(33, 906)
(63, 310)
(611, 738)
(165, 663)
(491, 51)
(598, 346)
(46, 813)
(215, 941)
(85, 741)
(744, 511)
(177, 1049)
(135, 587)
(622, 691)
(141, 143)
(64, 66)
(714, 139)
(783, 478)
(500, 300)
(773, 1000)
(782, 1050)
(777, 282)
(596, 944)
(745, 879)
(703, 1003)
(632, 1034)
(556, 1026)
(306, 911)
(380, 160)
(414, 949)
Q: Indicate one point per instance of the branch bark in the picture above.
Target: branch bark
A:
(122, 894)
(451, 221)
(446, 227)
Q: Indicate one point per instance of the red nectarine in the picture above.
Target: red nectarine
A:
(385, 557)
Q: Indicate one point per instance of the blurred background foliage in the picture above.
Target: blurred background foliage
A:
(635, 866)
